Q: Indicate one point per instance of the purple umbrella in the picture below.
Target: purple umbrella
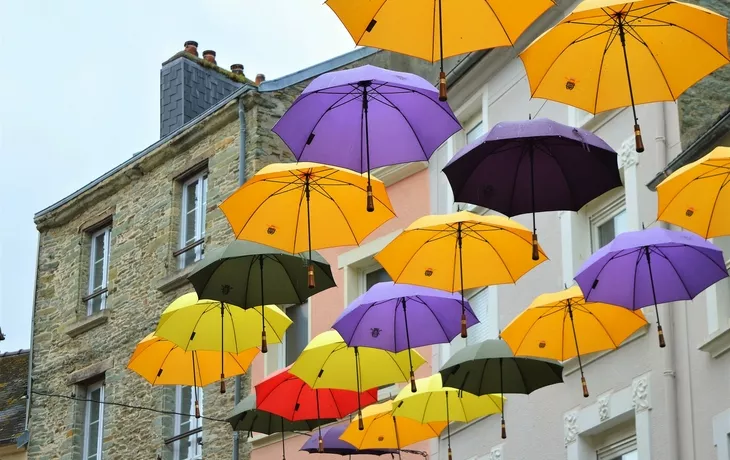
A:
(533, 166)
(649, 267)
(365, 118)
(386, 314)
(332, 444)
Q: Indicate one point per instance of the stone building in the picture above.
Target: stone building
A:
(115, 253)
(13, 404)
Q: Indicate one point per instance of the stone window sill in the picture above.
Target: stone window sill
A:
(717, 344)
(571, 365)
(90, 322)
(175, 280)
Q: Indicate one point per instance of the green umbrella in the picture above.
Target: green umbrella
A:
(491, 367)
(249, 274)
(245, 417)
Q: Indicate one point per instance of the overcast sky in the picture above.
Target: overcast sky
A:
(79, 94)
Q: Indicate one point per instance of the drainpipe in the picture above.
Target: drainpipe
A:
(669, 374)
(32, 335)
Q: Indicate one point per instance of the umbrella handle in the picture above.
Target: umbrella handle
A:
(310, 275)
(320, 449)
(442, 74)
(264, 345)
(450, 456)
(637, 128)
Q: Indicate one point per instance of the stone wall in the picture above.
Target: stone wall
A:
(143, 201)
(702, 104)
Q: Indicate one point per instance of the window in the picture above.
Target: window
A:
(94, 421)
(578, 117)
(607, 231)
(192, 226)
(474, 131)
(296, 338)
(608, 222)
(191, 447)
(622, 450)
(379, 275)
(98, 270)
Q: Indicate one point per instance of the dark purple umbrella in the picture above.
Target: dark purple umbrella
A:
(649, 267)
(332, 444)
(365, 118)
(397, 317)
(533, 166)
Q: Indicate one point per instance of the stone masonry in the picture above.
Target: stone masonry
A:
(143, 202)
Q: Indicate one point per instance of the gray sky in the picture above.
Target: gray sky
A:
(80, 94)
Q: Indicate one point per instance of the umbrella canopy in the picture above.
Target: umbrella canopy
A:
(327, 362)
(334, 445)
(694, 198)
(435, 32)
(459, 251)
(649, 267)
(246, 417)
(491, 367)
(609, 54)
(365, 118)
(161, 362)
(380, 318)
(235, 275)
(320, 203)
(385, 431)
(209, 325)
(555, 323)
(533, 166)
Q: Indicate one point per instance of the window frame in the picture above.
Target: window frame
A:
(602, 215)
(616, 450)
(201, 177)
(87, 422)
(194, 437)
(279, 349)
(92, 293)
(476, 121)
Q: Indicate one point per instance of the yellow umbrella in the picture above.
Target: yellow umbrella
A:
(209, 325)
(553, 325)
(695, 196)
(161, 362)
(300, 207)
(383, 430)
(327, 362)
(432, 31)
(435, 403)
(609, 54)
(459, 251)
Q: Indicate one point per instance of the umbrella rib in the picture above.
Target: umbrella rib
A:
(255, 211)
(609, 42)
(613, 342)
(714, 205)
(453, 267)
(408, 122)
(528, 388)
(637, 37)
(248, 281)
(207, 309)
(371, 20)
(496, 16)
(675, 268)
(433, 33)
(446, 335)
(271, 326)
(233, 324)
(341, 182)
(689, 32)
(163, 363)
(509, 272)
(523, 154)
(297, 217)
(544, 146)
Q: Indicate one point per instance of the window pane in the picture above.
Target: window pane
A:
(611, 228)
(93, 423)
(620, 223)
(375, 277)
(297, 336)
(631, 456)
(474, 133)
(190, 213)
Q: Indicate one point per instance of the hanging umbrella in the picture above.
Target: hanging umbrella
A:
(555, 323)
(247, 418)
(491, 367)
(383, 430)
(649, 267)
(365, 118)
(380, 318)
(327, 362)
(285, 394)
(209, 325)
(611, 54)
(459, 251)
(246, 274)
(299, 207)
(336, 446)
(533, 166)
(161, 362)
(434, 402)
(431, 31)
(694, 198)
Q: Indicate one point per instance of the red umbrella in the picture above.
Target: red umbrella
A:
(288, 396)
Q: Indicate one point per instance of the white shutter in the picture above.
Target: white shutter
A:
(480, 305)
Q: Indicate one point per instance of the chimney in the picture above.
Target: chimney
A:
(189, 88)
(260, 78)
(237, 69)
(191, 46)
(209, 55)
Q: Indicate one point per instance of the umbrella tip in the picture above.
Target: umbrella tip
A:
(529, 116)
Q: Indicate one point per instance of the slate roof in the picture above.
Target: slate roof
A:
(13, 387)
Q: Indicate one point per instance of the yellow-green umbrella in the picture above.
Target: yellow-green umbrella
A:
(207, 325)
(327, 362)
(433, 402)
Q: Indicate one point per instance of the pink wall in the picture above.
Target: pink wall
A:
(410, 199)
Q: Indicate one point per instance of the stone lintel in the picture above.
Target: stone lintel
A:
(90, 322)
(89, 372)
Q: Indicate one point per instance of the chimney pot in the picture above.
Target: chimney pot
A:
(191, 46)
(209, 55)
(260, 78)
(237, 69)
